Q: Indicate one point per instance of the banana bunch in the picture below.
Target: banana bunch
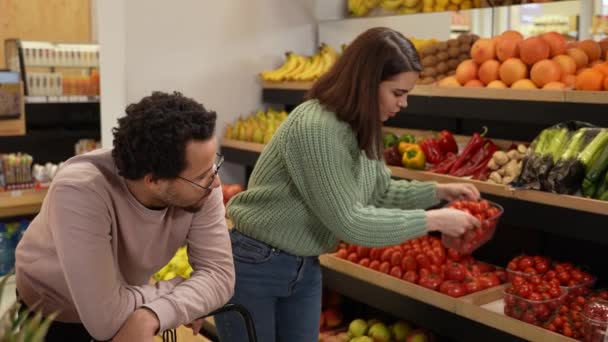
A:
(303, 68)
(258, 128)
(411, 6)
(360, 8)
(177, 266)
(420, 44)
(391, 5)
(449, 5)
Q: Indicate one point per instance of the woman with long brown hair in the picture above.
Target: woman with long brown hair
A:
(321, 179)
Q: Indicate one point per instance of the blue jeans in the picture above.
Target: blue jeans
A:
(281, 291)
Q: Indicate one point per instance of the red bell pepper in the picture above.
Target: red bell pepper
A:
(472, 147)
(447, 143)
(431, 150)
(445, 165)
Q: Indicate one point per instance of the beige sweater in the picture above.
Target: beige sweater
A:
(93, 247)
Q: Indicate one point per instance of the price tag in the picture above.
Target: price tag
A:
(16, 193)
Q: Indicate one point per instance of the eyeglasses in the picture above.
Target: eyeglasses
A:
(216, 166)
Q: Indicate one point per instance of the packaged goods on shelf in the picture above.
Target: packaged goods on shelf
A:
(16, 171)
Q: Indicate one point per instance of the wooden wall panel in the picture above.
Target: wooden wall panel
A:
(66, 21)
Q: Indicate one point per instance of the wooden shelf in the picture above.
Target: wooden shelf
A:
(568, 96)
(469, 307)
(21, 202)
(546, 198)
(243, 145)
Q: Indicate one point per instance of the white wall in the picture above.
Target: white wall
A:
(110, 19)
(211, 51)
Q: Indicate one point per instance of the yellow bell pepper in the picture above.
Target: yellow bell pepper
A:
(404, 146)
(413, 157)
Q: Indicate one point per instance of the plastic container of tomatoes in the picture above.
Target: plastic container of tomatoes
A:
(531, 311)
(582, 289)
(595, 321)
(487, 212)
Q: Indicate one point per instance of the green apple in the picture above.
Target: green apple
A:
(357, 328)
(417, 336)
(362, 339)
(400, 330)
(379, 332)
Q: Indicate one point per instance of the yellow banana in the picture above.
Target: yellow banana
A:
(391, 5)
(303, 62)
(311, 70)
(329, 59)
(370, 4)
(278, 75)
(357, 8)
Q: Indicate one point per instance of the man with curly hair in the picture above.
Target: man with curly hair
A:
(113, 217)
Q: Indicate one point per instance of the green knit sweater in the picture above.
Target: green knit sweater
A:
(312, 187)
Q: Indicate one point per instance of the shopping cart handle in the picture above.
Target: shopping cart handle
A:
(171, 336)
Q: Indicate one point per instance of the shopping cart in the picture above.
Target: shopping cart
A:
(171, 335)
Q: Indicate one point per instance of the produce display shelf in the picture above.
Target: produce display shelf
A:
(21, 202)
(571, 96)
(546, 198)
(62, 99)
(470, 307)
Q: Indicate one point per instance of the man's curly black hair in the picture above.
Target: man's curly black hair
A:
(152, 137)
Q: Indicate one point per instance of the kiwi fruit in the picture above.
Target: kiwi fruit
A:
(443, 46)
(453, 43)
(452, 64)
(430, 50)
(465, 48)
(443, 56)
(465, 39)
(442, 67)
(453, 52)
(429, 61)
(451, 72)
(429, 72)
(427, 80)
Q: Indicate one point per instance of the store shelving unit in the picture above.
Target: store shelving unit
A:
(560, 226)
(21, 202)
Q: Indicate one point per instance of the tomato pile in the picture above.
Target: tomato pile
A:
(533, 300)
(570, 319)
(570, 277)
(487, 213)
(426, 262)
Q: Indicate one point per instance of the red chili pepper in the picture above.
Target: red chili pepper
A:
(482, 174)
(447, 143)
(472, 147)
(431, 150)
(479, 160)
(445, 165)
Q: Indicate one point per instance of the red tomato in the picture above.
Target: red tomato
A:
(523, 291)
(431, 281)
(374, 265)
(375, 253)
(529, 317)
(352, 257)
(512, 265)
(452, 288)
(424, 272)
(488, 280)
(525, 263)
(385, 267)
(492, 212)
(351, 249)
(542, 267)
(408, 263)
(423, 261)
(472, 285)
(502, 275)
(396, 258)
(342, 253)
(364, 262)
(457, 205)
(518, 281)
(563, 277)
(454, 255)
(396, 272)
(549, 275)
(363, 252)
(576, 275)
(435, 260)
(484, 205)
(387, 254)
(411, 276)
(534, 280)
(455, 271)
